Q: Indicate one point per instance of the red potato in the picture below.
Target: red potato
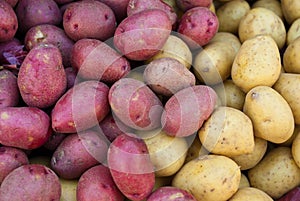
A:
(135, 6)
(24, 127)
(81, 107)
(198, 26)
(89, 19)
(119, 7)
(42, 78)
(130, 166)
(50, 34)
(186, 110)
(170, 193)
(77, 153)
(34, 12)
(135, 104)
(96, 60)
(185, 5)
(97, 184)
(11, 158)
(71, 74)
(9, 91)
(142, 35)
(31, 182)
(54, 141)
(12, 3)
(293, 195)
(8, 22)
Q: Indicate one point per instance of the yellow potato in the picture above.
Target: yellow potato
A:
(230, 15)
(288, 85)
(212, 8)
(290, 10)
(229, 38)
(291, 61)
(248, 161)
(260, 21)
(271, 115)
(289, 142)
(296, 149)
(195, 150)
(212, 65)
(257, 63)
(209, 178)
(250, 193)
(175, 48)
(276, 174)
(68, 189)
(273, 5)
(227, 132)
(293, 32)
(244, 182)
(230, 95)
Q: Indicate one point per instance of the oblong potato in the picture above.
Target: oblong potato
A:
(250, 193)
(9, 91)
(291, 63)
(229, 38)
(273, 5)
(293, 32)
(290, 10)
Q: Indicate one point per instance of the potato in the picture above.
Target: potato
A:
(273, 5)
(186, 110)
(9, 22)
(230, 95)
(12, 3)
(167, 153)
(29, 182)
(119, 7)
(130, 166)
(135, 6)
(68, 189)
(97, 184)
(276, 174)
(230, 15)
(291, 195)
(244, 182)
(141, 35)
(288, 86)
(96, 60)
(81, 107)
(205, 180)
(167, 76)
(54, 140)
(296, 149)
(135, 104)
(273, 125)
(78, 152)
(170, 193)
(50, 34)
(248, 161)
(71, 75)
(290, 10)
(290, 62)
(250, 193)
(175, 48)
(212, 65)
(42, 79)
(256, 63)
(260, 21)
(89, 19)
(229, 38)
(293, 32)
(9, 91)
(227, 132)
(24, 127)
(34, 12)
(289, 142)
(11, 158)
(195, 150)
(185, 5)
(198, 26)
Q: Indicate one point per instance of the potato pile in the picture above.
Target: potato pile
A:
(149, 100)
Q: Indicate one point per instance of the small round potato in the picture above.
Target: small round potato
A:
(293, 32)
(229, 38)
(274, 125)
(276, 174)
(9, 22)
(291, 10)
(250, 193)
(291, 62)
(273, 5)
(296, 149)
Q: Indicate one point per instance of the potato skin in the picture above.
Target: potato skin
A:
(9, 91)
(96, 60)
(42, 79)
(119, 7)
(296, 149)
(170, 193)
(293, 32)
(290, 10)
(191, 107)
(11, 158)
(130, 166)
(97, 184)
(78, 152)
(81, 107)
(185, 5)
(138, 43)
(291, 63)
(250, 193)
(24, 127)
(29, 182)
(9, 22)
(89, 19)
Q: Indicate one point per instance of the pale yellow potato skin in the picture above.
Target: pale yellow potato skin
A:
(276, 174)
(293, 32)
(296, 149)
(289, 142)
(68, 189)
(209, 178)
(250, 193)
(244, 182)
(270, 114)
(290, 10)
(288, 85)
(257, 63)
(230, 15)
(248, 161)
(273, 5)
(260, 21)
(291, 61)
(227, 132)
(195, 150)
(229, 38)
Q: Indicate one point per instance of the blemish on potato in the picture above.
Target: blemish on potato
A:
(4, 115)
(30, 138)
